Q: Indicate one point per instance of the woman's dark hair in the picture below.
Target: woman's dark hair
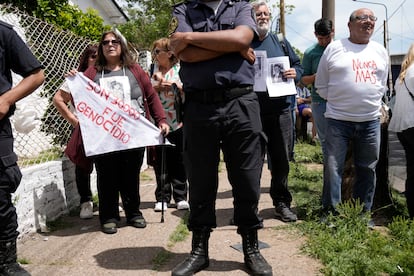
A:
(90, 50)
(126, 57)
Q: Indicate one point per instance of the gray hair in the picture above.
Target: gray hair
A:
(258, 3)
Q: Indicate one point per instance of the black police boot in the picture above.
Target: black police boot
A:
(198, 259)
(253, 260)
(8, 260)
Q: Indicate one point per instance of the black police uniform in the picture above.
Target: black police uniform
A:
(221, 112)
(15, 56)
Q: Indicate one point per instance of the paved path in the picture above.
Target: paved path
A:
(80, 248)
(396, 159)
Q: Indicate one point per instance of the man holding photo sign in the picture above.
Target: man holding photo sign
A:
(274, 99)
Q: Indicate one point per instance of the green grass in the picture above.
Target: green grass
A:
(350, 247)
(58, 224)
(23, 261)
(180, 234)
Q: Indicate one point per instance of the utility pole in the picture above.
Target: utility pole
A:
(282, 17)
(328, 10)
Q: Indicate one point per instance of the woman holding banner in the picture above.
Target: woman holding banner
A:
(60, 101)
(118, 171)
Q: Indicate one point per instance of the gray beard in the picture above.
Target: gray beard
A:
(262, 30)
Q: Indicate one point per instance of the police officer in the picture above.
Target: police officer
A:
(16, 57)
(212, 39)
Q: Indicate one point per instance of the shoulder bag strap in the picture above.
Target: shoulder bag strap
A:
(409, 92)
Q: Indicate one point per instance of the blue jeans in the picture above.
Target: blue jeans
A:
(365, 138)
(318, 114)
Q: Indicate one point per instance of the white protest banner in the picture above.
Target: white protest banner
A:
(107, 123)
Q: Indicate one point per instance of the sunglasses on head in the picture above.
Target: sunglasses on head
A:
(114, 42)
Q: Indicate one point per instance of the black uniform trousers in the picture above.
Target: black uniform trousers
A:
(10, 177)
(234, 127)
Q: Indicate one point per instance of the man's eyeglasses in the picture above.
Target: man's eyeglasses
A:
(114, 42)
(93, 56)
(365, 17)
(258, 14)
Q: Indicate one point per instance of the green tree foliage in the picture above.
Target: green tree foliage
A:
(71, 18)
(68, 17)
(149, 20)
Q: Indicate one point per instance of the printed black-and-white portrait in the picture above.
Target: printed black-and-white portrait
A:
(258, 65)
(117, 89)
(276, 73)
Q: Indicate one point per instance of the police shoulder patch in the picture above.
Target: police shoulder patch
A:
(180, 2)
(173, 25)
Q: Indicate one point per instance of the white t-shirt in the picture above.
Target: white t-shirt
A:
(65, 88)
(352, 78)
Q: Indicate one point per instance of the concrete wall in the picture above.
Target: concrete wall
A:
(47, 191)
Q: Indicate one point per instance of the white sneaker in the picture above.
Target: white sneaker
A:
(183, 205)
(86, 210)
(158, 206)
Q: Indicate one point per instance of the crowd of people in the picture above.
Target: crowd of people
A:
(201, 95)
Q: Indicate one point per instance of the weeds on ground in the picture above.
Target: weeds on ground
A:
(180, 233)
(345, 245)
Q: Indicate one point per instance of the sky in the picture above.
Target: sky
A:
(299, 24)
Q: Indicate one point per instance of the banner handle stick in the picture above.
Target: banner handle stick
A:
(163, 177)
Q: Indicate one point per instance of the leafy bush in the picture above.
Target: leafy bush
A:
(71, 18)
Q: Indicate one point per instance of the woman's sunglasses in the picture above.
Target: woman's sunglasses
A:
(114, 42)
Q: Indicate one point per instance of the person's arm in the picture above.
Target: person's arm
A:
(200, 46)
(151, 98)
(296, 70)
(25, 87)
(322, 77)
(60, 101)
(308, 77)
(307, 80)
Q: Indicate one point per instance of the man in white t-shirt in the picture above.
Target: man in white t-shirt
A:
(352, 76)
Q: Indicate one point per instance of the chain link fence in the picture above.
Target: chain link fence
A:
(40, 132)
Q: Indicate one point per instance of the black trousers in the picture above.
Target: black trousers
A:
(9, 180)
(278, 127)
(83, 183)
(118, 174)
(175, 185)
(234, 127)
(406, 138)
